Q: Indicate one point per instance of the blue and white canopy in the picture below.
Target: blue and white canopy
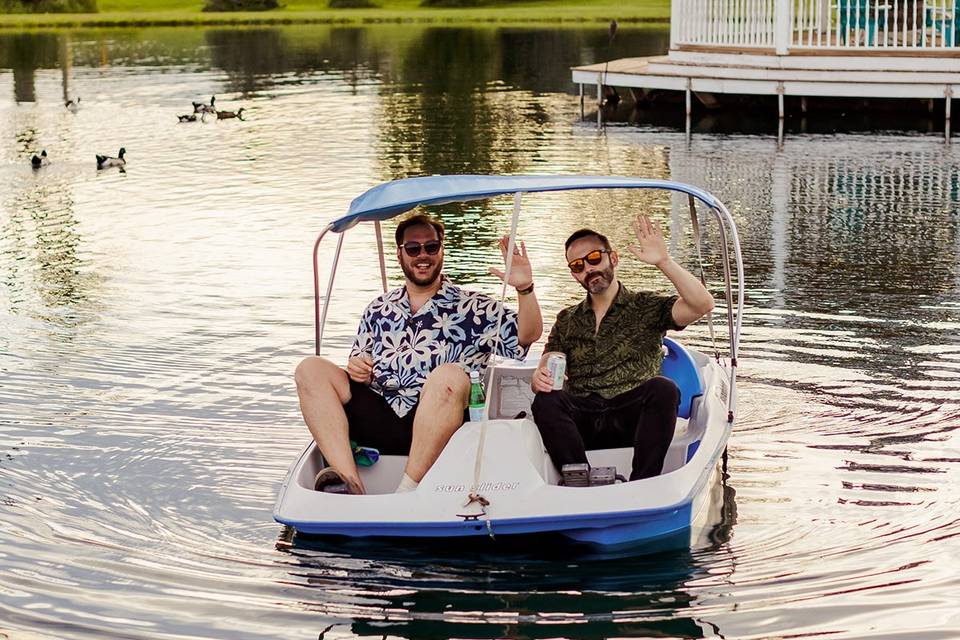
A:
(394, 198)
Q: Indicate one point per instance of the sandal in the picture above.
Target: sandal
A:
(329, 481)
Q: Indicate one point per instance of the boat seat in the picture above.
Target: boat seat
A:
(679, 366)
(511, 395)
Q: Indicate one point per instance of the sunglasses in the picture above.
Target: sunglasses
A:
(592, 258)
(432, 247)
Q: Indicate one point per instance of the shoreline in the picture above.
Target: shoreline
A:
(565, 15)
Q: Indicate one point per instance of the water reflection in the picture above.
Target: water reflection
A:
(24, 53)
(410, 590)
(250, 59)
(42, 250)
(438, 60)
(511, 587)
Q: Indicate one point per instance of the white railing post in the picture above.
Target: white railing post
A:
(782, 26)
(676, 15)
(785, 25)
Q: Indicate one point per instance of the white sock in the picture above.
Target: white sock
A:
(406, 484)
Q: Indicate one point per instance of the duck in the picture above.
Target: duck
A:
(40, 160)
(224, 115)
(104, 162)
(190, 117)
(201, 107)
(72, 105)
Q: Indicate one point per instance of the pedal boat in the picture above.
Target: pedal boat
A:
(502, 458)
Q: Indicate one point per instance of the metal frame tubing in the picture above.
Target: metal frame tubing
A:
(321, 320)
(728, 235)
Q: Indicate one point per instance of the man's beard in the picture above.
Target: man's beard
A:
(598, 281)
(421, 281)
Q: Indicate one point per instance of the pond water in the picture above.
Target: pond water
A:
(150, 321)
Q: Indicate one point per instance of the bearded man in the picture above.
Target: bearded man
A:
(613, 340)
(406, 385)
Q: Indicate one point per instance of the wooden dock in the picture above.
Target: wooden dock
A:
(811, 49)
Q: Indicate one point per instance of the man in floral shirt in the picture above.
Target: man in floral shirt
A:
(406, 384)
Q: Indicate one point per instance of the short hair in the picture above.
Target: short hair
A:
(417, 220)
(586, 233)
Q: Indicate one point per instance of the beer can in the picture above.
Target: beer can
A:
(557, 367)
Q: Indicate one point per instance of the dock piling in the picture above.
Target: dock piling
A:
(599, 105)
(948, 99)
(780, 109)
(581, 101)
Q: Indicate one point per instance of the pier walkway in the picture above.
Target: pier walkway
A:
(805, 48)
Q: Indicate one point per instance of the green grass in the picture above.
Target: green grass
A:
(188, 12)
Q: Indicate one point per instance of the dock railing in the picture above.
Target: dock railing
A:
(783, 25)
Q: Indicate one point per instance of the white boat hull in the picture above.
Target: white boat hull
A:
(520, 482)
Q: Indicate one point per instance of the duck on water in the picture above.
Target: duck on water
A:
(203, 107)
(105, 162)
(41, 160)
(226, 115)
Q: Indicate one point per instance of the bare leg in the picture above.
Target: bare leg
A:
(439, 415)
(324, 388)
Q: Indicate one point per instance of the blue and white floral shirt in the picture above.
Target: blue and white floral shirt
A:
(454, 326)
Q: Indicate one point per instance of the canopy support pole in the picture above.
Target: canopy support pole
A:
(326, 301)
(695, 227)
(317, 329)
(734, 322)
(383, 266)
(511, 245)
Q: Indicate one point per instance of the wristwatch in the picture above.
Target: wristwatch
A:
(526, 291)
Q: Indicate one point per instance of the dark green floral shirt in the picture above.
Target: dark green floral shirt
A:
(625, 352)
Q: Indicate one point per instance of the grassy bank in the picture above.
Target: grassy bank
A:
(125, 13)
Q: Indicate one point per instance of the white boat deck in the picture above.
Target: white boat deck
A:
(757, 73)
(805, 48)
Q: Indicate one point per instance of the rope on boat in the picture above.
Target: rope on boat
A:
(703, 279)
(511, 245)
(475, 496)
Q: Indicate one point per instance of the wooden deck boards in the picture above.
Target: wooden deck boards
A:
(623, 65)
(745, 71)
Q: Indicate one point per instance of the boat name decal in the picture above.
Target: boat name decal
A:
(483, 486)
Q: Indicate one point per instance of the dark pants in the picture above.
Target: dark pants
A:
(644, 417)
(373, 422)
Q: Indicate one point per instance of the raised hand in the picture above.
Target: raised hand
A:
(651, 247)
(360, 369)
(521, 273)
